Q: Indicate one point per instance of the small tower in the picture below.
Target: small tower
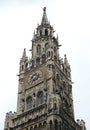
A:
(45, 99)
(23, 62)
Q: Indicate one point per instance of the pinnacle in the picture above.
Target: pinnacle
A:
(24, 53)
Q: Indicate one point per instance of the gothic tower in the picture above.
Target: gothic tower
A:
(45, 99)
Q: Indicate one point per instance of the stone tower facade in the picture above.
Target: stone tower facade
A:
(45, 99)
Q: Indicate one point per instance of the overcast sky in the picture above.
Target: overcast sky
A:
(71, 20)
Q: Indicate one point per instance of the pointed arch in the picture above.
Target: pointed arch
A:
(29, 103)
(40, 98)
(46, 32)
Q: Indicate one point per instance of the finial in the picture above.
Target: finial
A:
(44, 9)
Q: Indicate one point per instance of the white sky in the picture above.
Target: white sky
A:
(71, 20)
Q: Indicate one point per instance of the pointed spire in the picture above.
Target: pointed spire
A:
(44, 18)
(24, 54)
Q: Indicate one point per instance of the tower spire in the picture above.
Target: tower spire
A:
(44, 18)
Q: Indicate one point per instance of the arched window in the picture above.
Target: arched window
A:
(26, 65)
(29, 103)
(46, 32)
(38, 49)
(40, 98)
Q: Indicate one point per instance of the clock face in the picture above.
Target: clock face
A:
(34, 77)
